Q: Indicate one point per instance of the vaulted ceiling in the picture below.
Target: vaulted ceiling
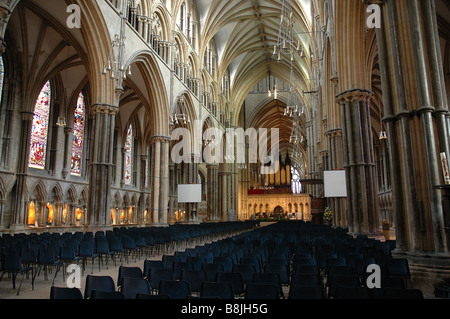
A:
(245, 32)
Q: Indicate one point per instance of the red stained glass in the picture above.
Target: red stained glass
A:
(39, 131)
(78, 136)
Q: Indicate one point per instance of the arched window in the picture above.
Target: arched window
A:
(147, 169)
(78, 135)
(295, 182)
(2, 77)
(39, 131)
(128, 156)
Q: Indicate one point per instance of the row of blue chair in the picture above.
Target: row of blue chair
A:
(25, 253)
(256, 257)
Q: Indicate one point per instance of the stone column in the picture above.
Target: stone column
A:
(426, 112)
(101, 168)
(431, 37)
(159, 178)
(155, 177)
(164, 201)
(416, 128)
(172, 193)
(68, 137)
(335, 163)
(360, 161)
(213, 171)
(20, 207)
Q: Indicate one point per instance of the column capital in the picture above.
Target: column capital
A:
(68, 130)
(161, 139)
(105, 109)
(334, 132)
(352, 95)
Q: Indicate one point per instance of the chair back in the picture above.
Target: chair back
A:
(65, 293)
(131, 287)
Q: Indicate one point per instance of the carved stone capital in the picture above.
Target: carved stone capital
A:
(161, 139)
(105, 109)
(349, 96)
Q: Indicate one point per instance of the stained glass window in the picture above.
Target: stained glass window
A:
(147, 168)
(78, 135)
(128, 156)
(39, 131)
(295, 183)
(2, 77)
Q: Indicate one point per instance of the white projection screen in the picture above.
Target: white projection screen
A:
(191, 193)
(335, 184)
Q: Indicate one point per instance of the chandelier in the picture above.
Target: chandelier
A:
(115, 65)
(180, 116)
(288, 44)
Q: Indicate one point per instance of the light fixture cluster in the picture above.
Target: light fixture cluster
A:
(288, 42)
(180, 116)
(383, 135)
(115, 65)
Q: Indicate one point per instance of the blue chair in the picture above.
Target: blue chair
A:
(69, 255)
(175, 289)
(64, 293)
(86, 251)
(399, 267)
(168, 261)
(342, 281)
(116, 247)
(226, 261)
(252, 260)
(129, 272)
(281, 270)
(131, 287)
(197, 261)
(235, 279)
(12, 264)
(103, 251)
(213, 290)
(246, 270)
(156, 275)
(269, 279)
(98, 283)
(211, 269)
(310, 292)
(195, 278)
(261, 291)
(179, 266)
(149, 264)
(129, 245)
(47, 259)
(103, 295)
